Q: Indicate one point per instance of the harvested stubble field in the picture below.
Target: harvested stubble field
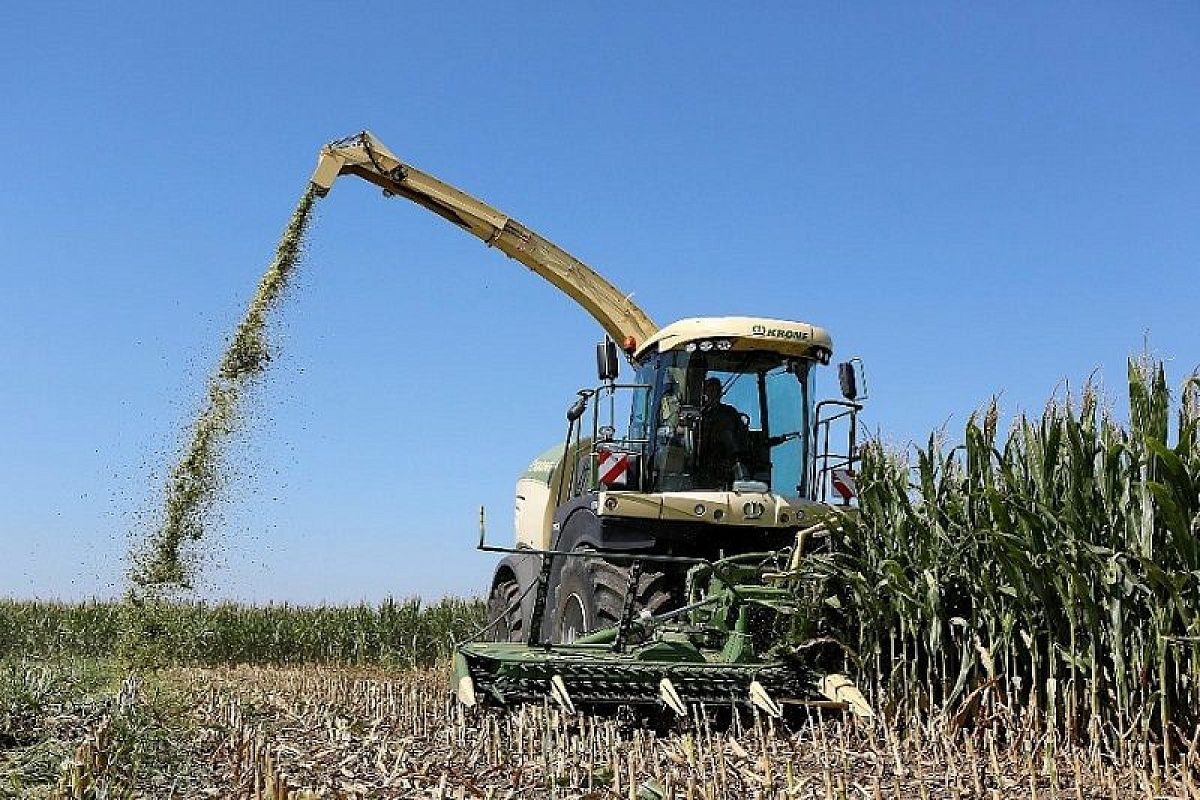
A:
(306, 732)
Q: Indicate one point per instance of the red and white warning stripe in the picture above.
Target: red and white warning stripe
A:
(843, 483)
(613, 467)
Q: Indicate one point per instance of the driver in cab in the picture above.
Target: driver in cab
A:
(721, 435)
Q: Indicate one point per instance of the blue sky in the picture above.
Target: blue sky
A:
(974, 198)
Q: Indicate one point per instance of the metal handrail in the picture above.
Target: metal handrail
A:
(827, 460)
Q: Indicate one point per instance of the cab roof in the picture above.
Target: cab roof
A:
(743, 333)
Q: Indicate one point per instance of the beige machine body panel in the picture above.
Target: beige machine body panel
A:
(534, 509)
(744, 333)
(537, 495)
(759, 509)
(533, 514)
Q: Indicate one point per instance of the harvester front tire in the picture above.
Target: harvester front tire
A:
(591, 593)
(502, 605)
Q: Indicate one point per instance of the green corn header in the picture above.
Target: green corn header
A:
(743, 639)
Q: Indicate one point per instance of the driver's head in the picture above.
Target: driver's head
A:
(712, 391)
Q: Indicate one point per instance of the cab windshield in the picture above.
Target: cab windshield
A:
(728, 420)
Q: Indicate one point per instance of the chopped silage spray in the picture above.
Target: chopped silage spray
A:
(160, 565)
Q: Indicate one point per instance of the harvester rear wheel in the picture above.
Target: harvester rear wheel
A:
(591, 594)
(502, 605)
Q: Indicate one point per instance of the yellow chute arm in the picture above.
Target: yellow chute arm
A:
(365, 156)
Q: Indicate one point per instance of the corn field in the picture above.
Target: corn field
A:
(1056, 567)
(398, 633)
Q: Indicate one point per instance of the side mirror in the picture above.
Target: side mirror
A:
(607, 365)
(849, 380)
(578, 408)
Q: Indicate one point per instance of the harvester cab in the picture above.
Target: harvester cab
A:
(715, 447)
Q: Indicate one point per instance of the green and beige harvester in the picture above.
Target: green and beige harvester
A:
(660, 548)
